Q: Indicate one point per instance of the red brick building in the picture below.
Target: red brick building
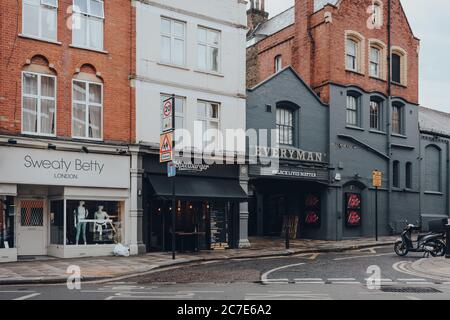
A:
(315, 37)
(43, 42)
(66, 123)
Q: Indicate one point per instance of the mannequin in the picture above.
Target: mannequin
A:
(103, 216)
(80, 214)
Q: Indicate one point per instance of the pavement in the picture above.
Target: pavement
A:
(47, 270)
(435, 268)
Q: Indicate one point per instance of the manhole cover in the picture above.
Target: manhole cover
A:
(392, 289)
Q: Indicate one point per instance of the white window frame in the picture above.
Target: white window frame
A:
(173, 37)
(39, 36)
(377, 63)
(378, 115)
(165, 96)
(38, 107)
(208, 45)
(278, 63)
(218, 144)
(352, 109)
(377, 14)
(89, 16)
(285, 126)
(354, 57)
(86, 103)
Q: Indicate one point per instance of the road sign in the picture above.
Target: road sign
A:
(171, 169)
(168, 111)
(166, 147)
(377, 179)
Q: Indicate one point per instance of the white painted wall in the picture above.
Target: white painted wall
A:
(153, 78)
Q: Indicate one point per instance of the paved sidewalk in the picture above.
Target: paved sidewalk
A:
(437, 268)
(52, 270)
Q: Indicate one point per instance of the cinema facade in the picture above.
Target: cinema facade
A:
(321, 181)
(63, 199)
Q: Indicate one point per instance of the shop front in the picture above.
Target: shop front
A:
(292, 196)
(62, 203)
(207, 199)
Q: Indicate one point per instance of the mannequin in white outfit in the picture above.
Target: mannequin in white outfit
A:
(100, 215)
(79, 215)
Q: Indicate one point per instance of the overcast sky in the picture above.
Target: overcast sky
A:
(430, 21)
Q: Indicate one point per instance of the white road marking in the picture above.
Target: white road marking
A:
(367, 256)
(287, 296)
(264, 277)
(413, 298)
(28, 296)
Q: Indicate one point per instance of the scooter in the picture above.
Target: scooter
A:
(429, 243)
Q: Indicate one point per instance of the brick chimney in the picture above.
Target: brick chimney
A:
(256, 14)
(303, 49)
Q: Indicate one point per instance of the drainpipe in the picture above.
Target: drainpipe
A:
(389, 115)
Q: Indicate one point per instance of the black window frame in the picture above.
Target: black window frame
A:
(408, 175)
(396, 174)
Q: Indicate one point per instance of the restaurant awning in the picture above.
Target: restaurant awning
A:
(197, 187)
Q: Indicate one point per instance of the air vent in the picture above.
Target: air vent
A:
(392, 289)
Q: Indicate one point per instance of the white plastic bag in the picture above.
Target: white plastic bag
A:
(121, 250)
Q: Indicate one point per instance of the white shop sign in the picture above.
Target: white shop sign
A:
(63, 168)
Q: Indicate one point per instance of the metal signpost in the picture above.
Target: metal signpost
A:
(166, 146)
(377, 183)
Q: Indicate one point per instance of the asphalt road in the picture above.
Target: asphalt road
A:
(363, 274)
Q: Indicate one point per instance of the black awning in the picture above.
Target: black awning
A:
(196, 187)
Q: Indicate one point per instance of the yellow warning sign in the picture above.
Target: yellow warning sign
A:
(377, 179)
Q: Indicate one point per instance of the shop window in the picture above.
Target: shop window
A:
(6, 222)
(57, 222)
(396, 174)
(353, 209)
(38, 104)
(39, 19)
(285, 126)
(94, 222)
(408, 176)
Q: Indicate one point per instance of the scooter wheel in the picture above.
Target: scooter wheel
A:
(439, 249)
(400, 249)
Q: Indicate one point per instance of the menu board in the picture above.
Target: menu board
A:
(353, 209)
(312, 210)
(219, 230)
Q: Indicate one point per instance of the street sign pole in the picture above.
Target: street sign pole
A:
(174, 217)
(376, 213)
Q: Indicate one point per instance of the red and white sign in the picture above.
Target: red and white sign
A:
(168, 115)
(165, 147)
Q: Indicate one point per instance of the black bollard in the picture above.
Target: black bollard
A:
(287, 236)
(447, 236)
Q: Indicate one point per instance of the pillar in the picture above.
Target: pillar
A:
(243, 209)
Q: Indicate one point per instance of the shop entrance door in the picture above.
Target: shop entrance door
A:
(31, 230)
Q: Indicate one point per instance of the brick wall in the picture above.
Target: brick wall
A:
(113, 67)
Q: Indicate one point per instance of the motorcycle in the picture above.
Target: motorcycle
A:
(431, 243)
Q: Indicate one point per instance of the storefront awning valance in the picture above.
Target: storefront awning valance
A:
(199, 188)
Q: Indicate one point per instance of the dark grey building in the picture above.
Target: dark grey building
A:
(434, 164)
(327, 193)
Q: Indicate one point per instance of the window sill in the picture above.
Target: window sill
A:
(88, 49)
(436, 193)
(87, 139)
(377, 131)
(355, 72)
(399, 84)
(354, 127)
(173, 66)
(378, 78)
(39, 39)
(399, 135)
(212, 73)
(34, 134)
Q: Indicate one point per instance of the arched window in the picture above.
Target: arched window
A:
(408, 175)
(353, 110)
(397, 118)
(396, 174)
(399, 66)
(376, 114)
(87, 104)
(278, 63)
(433, 167)
(354, 48)
(377, 59)
(285, 125)
(38, 98)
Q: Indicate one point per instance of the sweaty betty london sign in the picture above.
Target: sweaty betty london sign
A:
(48, 167)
